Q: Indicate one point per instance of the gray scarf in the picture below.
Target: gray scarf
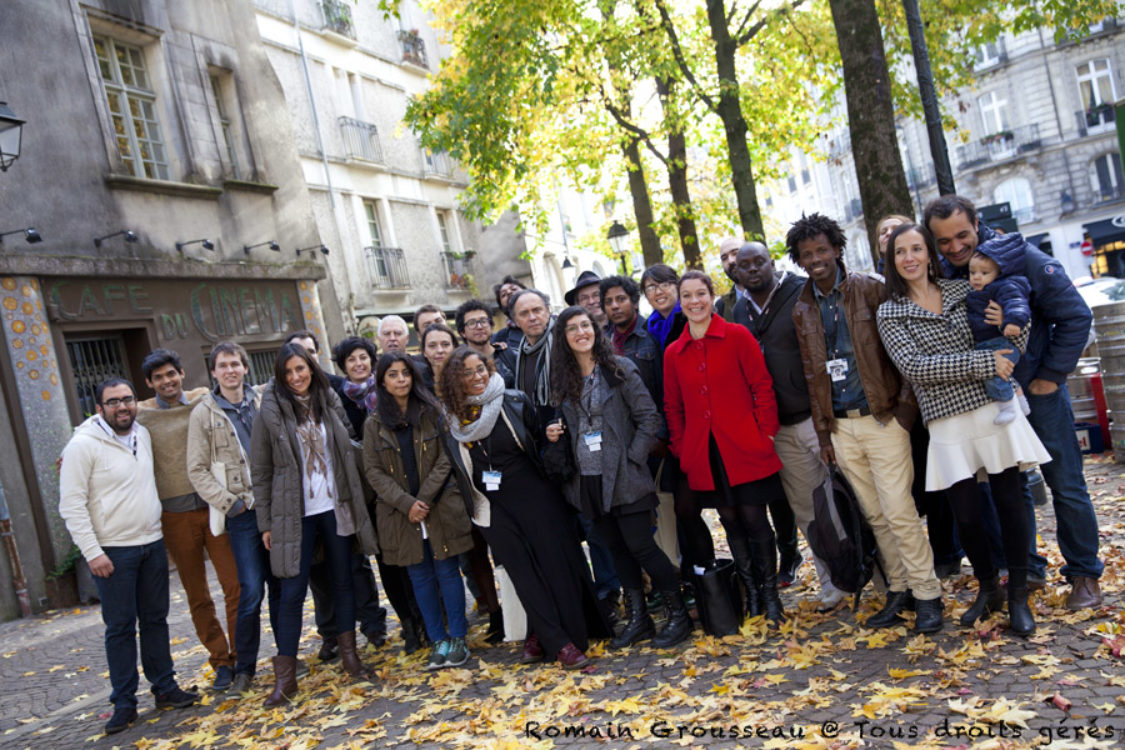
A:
(542, 395)
(490, 402)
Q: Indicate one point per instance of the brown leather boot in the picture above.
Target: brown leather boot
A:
(349, 657)
(284, 680)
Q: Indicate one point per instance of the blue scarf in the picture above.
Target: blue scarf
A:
(660, 327)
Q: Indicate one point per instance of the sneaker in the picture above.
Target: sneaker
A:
(176, 698)
(787, 572)
(121, 720)
(458, 652)
(828, 602)
(438, 655)
(240, 684)
(223, 677)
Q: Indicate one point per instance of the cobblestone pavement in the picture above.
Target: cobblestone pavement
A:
(823, 681)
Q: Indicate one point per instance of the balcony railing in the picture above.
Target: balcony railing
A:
(338, 17)
(999, 146)
(1097, 119)
(413, 48)
(436, 162)
(361, 140)
(1109, 193)
(387, 266)
(458, 270)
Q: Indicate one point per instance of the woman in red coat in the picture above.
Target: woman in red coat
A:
(722, 416)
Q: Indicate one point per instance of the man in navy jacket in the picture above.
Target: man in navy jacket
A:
(1060, 325)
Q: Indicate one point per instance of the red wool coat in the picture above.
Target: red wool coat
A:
(720, 384)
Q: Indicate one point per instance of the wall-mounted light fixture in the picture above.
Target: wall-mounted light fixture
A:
(272, 245)
(130, 236)
(11, 134)
(207, 244)
(311, 250)
(566, 261)
(31, 234)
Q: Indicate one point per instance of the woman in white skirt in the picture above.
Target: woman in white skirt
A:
(925, 329)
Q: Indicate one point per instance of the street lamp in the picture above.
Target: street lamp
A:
(31, 234)
(207, 244)
(616, 237)
(11, 132)
(271, 243)
(130, 236)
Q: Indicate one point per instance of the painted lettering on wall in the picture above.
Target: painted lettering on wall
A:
(225, 312)
(102, 300)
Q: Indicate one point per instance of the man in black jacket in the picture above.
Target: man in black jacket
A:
(767, 311)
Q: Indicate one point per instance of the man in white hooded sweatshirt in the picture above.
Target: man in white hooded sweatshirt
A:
(109, 501)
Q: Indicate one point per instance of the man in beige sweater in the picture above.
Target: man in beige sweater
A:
(185, 516)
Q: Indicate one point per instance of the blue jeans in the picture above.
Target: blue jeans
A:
(1053, 421)
(427, 577)
(606, 581)
(997, 387)
(136, 593)
(253, 563)
(338, 554)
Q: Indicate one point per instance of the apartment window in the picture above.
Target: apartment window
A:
(990, 54)
(443, 231)
(225, 125)
(132, 107)
(1016, 192)
(993, 113)
(792, 183)
(373, 229)
(1095, 87)
(1106, 178)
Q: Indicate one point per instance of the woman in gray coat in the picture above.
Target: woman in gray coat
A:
(307, 488)
(609, 423)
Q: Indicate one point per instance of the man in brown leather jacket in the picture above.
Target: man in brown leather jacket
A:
(862, 411)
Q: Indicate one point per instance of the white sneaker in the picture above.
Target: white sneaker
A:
(828, 601)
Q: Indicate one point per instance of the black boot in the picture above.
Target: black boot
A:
(495, 627)
(744, 566)
(989, 599)
(888, 616)
(678, 626)
(639, 626)
(1020, 620)
(411, 635)
(929, 617)
(764, 555)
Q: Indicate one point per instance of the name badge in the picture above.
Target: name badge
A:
(491, 480)
(593, 441)
(837, 369)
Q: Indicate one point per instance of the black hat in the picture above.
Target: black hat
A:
(586, 278)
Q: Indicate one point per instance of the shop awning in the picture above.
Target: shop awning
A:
(1106, 231)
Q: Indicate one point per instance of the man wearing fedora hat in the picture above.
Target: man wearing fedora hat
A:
(587, 295)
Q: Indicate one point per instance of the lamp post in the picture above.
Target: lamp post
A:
(616, 237)
(11, 132)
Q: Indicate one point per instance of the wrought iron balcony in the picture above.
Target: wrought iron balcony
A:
(413, 48)
(436, 162)
(361, 140)
(999, 146)
(338, 17)
(1097, 119)
(387, 266)
(458, 271)
(1109, 193)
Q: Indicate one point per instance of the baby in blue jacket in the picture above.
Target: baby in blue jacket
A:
(996, 273)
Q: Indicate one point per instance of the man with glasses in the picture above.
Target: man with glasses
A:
(474, 323)
(109, 501)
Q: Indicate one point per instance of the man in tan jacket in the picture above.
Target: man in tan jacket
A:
(185, 517)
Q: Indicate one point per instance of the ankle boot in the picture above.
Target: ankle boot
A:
(678, 626)
(888, 616)
(1020, 620)
(989, 599)
(929, 617)
(495, 627)
(411, 641)
(764, 555)
(745, 567)
(284, 680)
(349, 656)
(639, 626)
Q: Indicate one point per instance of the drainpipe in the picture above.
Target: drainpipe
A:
(19, 581)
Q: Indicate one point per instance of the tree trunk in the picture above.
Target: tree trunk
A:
(642, 206)
(871, 117)
(729, 109)
(677, 177)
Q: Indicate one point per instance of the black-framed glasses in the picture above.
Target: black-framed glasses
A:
(113, 403)
(478, 323)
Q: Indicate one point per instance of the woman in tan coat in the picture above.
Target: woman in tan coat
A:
(422, 519)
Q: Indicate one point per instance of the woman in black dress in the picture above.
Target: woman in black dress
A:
(492, 443)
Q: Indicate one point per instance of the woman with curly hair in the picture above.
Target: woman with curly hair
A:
(493, 446)
(609, 423)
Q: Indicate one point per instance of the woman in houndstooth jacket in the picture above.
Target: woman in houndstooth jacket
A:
(925, 329)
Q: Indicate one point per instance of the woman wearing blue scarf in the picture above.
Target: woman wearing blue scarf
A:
(666, 323)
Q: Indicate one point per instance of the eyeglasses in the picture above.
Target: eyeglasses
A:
(477, 371)
(585, 325)
(478, 323)
(113, 403)
(650, 288)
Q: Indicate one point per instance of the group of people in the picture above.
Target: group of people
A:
(597, 424)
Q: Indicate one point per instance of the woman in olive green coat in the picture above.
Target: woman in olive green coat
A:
(422, 520)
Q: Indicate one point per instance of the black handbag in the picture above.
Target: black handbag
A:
(558, 459)
(719, 599)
